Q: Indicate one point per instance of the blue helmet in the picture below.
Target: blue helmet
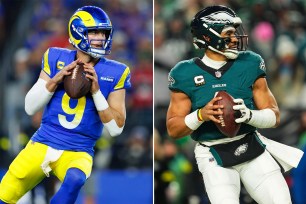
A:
(90, 18)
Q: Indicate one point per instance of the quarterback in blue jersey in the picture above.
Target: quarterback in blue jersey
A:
(224, 161)
(63, 145)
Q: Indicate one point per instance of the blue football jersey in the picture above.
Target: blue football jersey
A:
(74, 124)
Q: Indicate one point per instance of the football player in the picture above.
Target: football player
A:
(223, 161)
(63, 145)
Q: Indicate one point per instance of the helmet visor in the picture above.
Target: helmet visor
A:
(242, 39)
(237, 33)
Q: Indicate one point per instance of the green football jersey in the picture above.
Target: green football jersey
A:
(200, 83)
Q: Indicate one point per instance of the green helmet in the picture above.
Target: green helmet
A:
(207, 25)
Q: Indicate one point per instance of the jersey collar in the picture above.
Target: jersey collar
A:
(218, 73)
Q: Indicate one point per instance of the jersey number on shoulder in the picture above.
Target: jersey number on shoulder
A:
(77, 111)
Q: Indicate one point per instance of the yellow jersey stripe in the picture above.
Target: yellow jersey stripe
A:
(120, 84)
(46, 63)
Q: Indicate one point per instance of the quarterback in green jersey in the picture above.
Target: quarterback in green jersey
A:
(226, 65)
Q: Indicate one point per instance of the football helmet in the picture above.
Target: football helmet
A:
(90, 18)
(207, 25)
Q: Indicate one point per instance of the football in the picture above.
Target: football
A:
(77, 84)
(228, 126)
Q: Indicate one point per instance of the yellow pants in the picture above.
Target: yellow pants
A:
(25, 172)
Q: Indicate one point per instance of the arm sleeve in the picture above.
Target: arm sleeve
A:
(37, 97)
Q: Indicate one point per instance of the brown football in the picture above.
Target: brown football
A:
(77, 84)
(228, 126)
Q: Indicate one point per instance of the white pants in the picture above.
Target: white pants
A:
(261, 177)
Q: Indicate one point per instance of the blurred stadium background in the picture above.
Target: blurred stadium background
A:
(122, 171)
(277, 31)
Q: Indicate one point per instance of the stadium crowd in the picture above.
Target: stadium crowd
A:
(46, 26)
(277, 31)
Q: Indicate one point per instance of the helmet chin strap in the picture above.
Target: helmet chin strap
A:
(92, 54)
(228, 53)
(231, 54)
(96, 53)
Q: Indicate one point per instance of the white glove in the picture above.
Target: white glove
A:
(246, 113)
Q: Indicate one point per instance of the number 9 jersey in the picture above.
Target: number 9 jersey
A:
(74, 124)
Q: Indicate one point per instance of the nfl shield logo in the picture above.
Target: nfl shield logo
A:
(218, 74)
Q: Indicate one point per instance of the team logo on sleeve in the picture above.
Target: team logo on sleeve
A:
(262, 66)
(60, 65)
(199, 80)
(171, 81)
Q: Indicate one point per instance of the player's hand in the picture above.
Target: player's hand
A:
(245, 112)
(92, 75)
(211, 111)
(59, 77)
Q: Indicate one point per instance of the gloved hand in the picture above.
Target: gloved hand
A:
(246, 113)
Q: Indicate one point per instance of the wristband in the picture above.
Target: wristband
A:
(250, 117)
(113, 128)
(192, 121)
(200, 118)
(100, 101)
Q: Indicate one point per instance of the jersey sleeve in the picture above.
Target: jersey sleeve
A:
(261, 67)
(254, 64)
(177, 78)
(48, 61)
(124, 81)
